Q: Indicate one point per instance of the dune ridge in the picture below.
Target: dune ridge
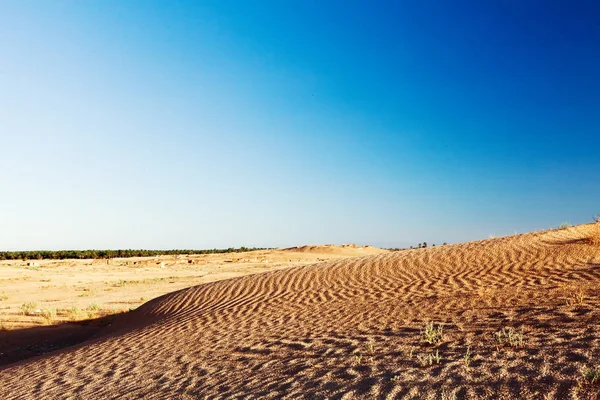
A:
(351, 328)
(344, 249)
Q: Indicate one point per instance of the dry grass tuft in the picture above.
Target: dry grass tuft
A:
(427, 360)
(49, 316)
(28, 308)
(508, 336)
(5, 326)
(76, 314)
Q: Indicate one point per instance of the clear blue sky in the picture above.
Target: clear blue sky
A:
(200, 124)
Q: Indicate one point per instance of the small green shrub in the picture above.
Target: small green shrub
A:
(432, 334)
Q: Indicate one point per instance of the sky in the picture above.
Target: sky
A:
(215, 124)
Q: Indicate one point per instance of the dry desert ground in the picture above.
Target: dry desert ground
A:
(515, 317)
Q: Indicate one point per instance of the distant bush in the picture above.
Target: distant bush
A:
(101, 254)
(49, 315)
(28, 308)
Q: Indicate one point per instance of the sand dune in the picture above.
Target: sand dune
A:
(344, 249)
(352, 328)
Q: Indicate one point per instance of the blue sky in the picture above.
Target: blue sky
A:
(128, 124)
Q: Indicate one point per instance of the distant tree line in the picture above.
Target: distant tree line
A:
(81, 254)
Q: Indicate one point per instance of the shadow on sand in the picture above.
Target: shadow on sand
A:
(21, 344)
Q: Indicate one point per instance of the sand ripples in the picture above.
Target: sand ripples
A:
(275, 334)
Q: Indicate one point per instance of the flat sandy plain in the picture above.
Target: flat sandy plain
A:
(514, 317)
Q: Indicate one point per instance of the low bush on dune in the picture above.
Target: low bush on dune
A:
(28, 308)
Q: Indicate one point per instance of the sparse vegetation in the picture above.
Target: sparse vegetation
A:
(93, 310)
(75, 314)
(5, 326)
(564, 225)
(429, 359)
(468, 357)
(149, 281)
(591, 375)
(358, 358)
(28, 308)
(432, 334)
(49, 315)
(508, 336)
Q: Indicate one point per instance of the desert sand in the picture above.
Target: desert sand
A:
(103, 287)
(514, 317)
